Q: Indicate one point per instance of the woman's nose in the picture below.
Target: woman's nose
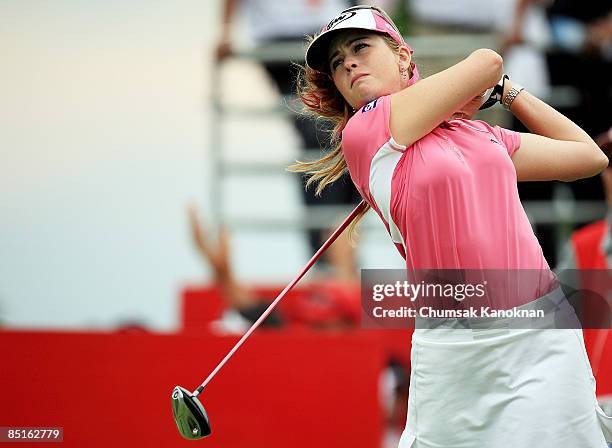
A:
(350, 63)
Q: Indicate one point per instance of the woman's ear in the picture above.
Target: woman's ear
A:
(405, 57)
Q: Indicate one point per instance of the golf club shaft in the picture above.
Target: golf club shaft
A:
(288, 288)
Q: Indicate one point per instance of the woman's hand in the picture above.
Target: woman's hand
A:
(217, 255)
(468, 110)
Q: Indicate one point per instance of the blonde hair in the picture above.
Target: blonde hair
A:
(322, 100)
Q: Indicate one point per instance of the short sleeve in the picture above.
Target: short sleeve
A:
(365, 133)
(367, 130)
(510, 139)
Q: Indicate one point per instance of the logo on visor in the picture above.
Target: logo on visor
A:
(340, 18)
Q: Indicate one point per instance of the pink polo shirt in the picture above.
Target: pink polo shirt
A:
(449, 200)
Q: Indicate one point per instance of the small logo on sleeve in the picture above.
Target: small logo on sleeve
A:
(368, 107)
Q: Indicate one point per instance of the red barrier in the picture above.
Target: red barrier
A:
(200, 305)
(294, 388)
(289, 388)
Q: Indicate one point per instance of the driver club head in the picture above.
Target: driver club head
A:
(189, 414)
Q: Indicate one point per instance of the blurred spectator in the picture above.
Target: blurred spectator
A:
(578, 35)
(591, 246)
(242, 307)
(333, 302)
(580, 54)
(579, 70)
(483, 16)
(465, 15)
(271, 22)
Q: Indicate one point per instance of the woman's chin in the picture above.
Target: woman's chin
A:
(365, 99)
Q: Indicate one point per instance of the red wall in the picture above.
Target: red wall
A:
(289, 389)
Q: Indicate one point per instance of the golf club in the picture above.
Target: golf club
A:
(189, 414)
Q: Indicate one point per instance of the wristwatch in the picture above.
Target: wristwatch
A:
(511, 95)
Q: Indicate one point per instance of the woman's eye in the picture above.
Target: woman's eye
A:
(336, 62)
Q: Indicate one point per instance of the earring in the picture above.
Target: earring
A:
(404, 73)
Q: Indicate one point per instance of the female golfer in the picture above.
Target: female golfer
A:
(445, 188)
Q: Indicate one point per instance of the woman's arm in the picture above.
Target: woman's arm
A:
(417, 110)
(515, 33)
(218, 257)
(224, 46)
(557, 148)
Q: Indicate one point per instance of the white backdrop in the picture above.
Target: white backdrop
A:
(103, 143)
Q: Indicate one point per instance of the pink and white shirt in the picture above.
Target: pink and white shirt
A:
(449, 200)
